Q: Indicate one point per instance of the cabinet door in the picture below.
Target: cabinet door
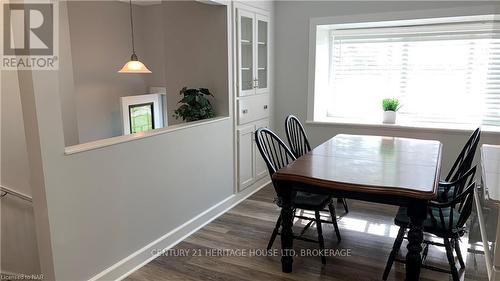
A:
(260, 164)
(246, 52)
(245, 157)
(262, 54)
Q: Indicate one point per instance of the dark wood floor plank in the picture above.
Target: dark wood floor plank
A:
(367, 231)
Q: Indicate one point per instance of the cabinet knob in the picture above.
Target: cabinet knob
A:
(244, 111)
(265, 106)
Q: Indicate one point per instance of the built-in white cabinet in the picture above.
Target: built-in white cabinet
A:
(251, 166)
(252, 53)
(252, 98)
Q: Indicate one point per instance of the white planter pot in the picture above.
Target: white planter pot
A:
(389, 117)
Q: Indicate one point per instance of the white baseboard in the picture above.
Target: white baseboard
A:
(138, 259)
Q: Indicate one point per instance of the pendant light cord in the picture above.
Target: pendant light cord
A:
(132, 28)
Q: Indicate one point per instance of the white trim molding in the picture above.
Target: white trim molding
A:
(485, 130)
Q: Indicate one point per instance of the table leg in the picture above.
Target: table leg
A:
(417, 211)
(286, 230)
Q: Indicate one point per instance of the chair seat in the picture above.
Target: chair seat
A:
(436, 227)
(309, 201)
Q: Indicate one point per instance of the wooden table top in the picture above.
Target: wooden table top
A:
(490, 164)
(370, 164)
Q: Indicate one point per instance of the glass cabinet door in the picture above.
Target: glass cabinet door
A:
(246, 52)
(262, 61)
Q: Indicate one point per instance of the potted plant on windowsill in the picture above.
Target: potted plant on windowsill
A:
(390, 107)
(195, 105)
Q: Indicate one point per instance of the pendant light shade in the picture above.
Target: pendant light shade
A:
(134, 65)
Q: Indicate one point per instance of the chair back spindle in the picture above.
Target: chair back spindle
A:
(466, 179)
(296, 136)
(465, 158)
(273, 150)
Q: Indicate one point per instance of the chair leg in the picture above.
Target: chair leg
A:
(425, 252)
(451, 259)
(320, 236)
(459, 253)
(275, 233)
(334, 221)
(346, 208)
(306, 228)
(394, 252)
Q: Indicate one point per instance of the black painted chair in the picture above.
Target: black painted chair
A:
(299, 143)
(277, 155)
(445, 220)
(461, 165)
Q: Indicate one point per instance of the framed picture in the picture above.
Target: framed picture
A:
(141, 113)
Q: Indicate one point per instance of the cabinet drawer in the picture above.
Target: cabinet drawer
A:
(253, 108)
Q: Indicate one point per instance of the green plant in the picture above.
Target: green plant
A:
(391, 104)
(195, 105)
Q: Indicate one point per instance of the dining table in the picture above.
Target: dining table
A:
(381, 169)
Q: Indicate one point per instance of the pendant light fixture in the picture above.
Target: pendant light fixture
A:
(134, 65)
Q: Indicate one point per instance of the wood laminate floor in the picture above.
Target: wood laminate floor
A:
(232, 248)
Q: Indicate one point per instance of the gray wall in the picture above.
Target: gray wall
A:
(195, 52)
(14, 157)
(104, 205)
(18, 241)
(182, 42)
(292, 51)
(100, 45)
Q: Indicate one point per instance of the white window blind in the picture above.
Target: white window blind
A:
(442, 73)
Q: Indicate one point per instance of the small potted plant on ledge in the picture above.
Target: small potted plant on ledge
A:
(195, 105)
(390, 106)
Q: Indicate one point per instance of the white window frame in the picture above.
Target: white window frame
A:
(128, 101)
(316, 114)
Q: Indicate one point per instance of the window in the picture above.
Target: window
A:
(444, 71)
(141, 117)
(142, 113)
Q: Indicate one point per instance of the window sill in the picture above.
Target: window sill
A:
(137, 136)
(431, 128)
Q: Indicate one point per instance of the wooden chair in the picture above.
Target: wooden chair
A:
(277, 155)
(299, 143)
(445, 220)
(461, 165)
